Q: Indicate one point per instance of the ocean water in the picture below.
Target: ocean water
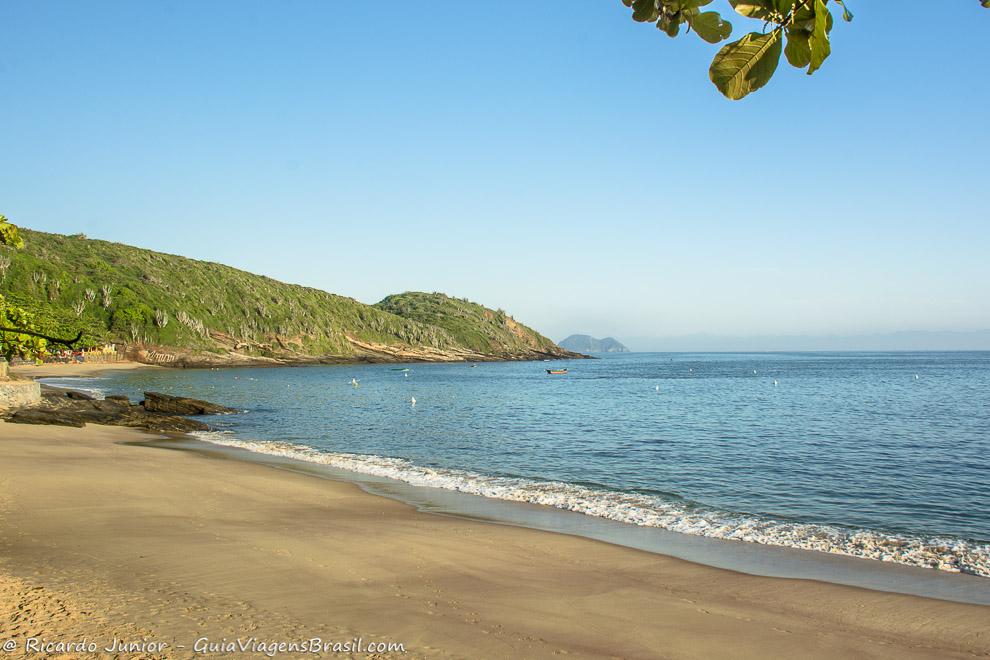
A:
(876, 455)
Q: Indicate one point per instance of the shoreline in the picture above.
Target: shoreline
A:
(748, 558)
(84, 369)
(754, 557)
(278, 550)
(808, 551)
(75, 370)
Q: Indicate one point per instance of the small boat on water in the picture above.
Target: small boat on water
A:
(556, 372)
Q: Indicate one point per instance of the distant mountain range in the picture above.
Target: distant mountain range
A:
(588, 344)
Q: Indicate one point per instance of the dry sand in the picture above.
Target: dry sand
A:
(101, 538)
(76, 369)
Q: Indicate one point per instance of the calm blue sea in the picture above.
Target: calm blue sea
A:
(880, 455)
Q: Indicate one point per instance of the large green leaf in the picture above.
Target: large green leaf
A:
(685, 5)
(818, 41)
(670, 24)
(762, 9)
(805, 15)
(798, 50)
(746, 65)
(645, 11)
(710, 26)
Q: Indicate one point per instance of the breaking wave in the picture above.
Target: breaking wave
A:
(946, 554)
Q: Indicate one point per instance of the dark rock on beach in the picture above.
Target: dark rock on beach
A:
(43, 416)
(180, 405)
(66, 408)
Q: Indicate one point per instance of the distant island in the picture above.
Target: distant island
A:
(588, 344)
(171, 310)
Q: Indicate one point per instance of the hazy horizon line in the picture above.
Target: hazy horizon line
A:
(899, 341)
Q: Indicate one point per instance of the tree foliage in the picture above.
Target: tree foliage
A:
(16, 344)
(798, 29)
(9, 235)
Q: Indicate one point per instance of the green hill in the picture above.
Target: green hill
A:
(197, 312)
(469, 324)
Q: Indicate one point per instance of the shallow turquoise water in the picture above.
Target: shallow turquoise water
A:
(870, 454)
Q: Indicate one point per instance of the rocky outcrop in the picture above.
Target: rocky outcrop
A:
(375, 352)
(156, 402)
(43, 416)
(66, 408)
(360, 352)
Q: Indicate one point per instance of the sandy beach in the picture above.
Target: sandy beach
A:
(105, 539)
(75, 369)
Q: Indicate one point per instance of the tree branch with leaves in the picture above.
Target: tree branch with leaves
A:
(746, 65)
(18, 336)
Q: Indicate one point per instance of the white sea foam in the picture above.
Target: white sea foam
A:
(947, 554)
(78, 383)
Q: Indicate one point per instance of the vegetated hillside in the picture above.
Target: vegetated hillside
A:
(588, 344)
(469, 324)
(205, 313)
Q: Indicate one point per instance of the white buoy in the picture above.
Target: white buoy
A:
(916, 376)
(775, 382)
(658, 388)
(754, 371)
(413, 401)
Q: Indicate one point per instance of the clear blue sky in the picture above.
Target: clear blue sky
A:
(573, 167)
